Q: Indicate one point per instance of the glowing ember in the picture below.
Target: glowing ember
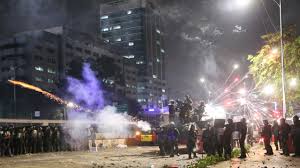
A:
(37, 89)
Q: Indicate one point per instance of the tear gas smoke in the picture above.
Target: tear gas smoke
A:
(87, 92)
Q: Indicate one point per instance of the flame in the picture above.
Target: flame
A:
(37, 89)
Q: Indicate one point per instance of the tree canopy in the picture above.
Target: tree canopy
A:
(266, 64)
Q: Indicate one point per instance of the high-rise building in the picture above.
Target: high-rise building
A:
(136, 27)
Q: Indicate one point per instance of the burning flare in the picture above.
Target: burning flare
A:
(37, 89)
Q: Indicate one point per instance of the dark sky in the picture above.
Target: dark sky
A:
(203, 37)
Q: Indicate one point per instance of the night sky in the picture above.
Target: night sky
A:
(203, 37)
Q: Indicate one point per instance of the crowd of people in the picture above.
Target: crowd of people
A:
(33, 139)
(281, 133)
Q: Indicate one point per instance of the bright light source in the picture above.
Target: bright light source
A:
(137, 133)
(293, 82)
(268, 90)
(274, 51)
(226, 90)
(236, 66)
(70, 105)
(216, 112)
(202, 80)
(264, 109)
(242, 91)
(242, 101)
(236, 79)
(242, 3)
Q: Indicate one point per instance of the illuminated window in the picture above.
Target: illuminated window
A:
(130, 43)
(104, 17)
(39, 68)
(163, 90)
(140, 62)
(129, 12)
(162, 50)
(157, 42)
(154, 76)
(39, 79)
(117, 27)
(157, 60)
(49, 70)
(129, 56)
(107, 40)
(157, 31)
(105, 29)
(118, 39)
(50, 81)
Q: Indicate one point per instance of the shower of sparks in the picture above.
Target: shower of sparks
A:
(45, 93)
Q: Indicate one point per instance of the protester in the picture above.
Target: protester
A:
(243, 132)
(296, 135)
(284, 131)
(267, 135)
(191, 143)
(227, 139)
(275, 132)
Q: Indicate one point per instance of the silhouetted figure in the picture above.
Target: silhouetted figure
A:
(172, 111)
(267, 135)
(275, 132)
(227, 139)
(296, 135)
(191, 143)
(243, 133)
(284, 136)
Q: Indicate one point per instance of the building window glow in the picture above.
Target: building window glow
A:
(140, 62)
(130, 43)
(105, 29)
(104, 17)
(157, 42)
(38, 79)
(157, 31)
(154, 76)
(51, 71)
(129, 56)
(129, 12)
(50, 81)
(39, 68)
(163, 90)
(162, 50)
(117, 27)
(107, 40)
(157, 60)
(118, 39)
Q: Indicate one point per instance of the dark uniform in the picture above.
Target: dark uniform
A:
(243, 132)
(191, 142)
(40, 140)
(161, 138)
(227, 139)
(173, 135)
(296, 135)
(267, 135)
(284, 136)
(275, 132)
(172, 111)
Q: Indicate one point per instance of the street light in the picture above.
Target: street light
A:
(235, 66)
(242, 3)
(202, 80)
(293, 82)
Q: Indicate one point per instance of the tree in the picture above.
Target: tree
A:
(266, 64)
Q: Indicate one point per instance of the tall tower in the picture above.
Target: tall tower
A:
(136, 27)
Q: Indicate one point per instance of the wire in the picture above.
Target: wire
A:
(269, 16)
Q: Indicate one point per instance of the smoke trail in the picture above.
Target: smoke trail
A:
(88, 93)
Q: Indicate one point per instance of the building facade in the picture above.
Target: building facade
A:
(136, 27)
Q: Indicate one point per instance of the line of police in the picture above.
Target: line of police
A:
(32, 139)
(281, 135)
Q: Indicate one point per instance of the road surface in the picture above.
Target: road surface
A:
(257, 159)
(145, 156)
